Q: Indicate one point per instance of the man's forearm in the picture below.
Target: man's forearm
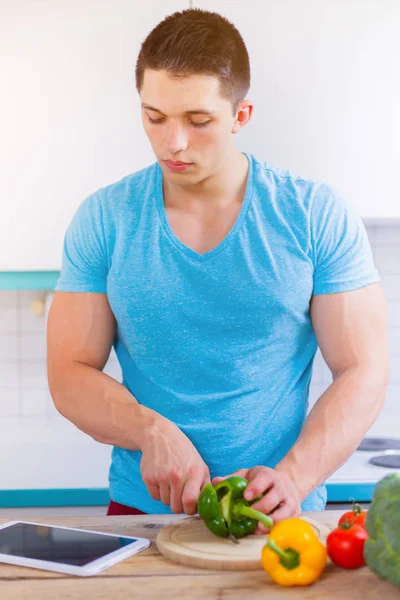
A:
(335, 426)
(100, 406)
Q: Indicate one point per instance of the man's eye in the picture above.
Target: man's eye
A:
(200, 124)
(157, 121)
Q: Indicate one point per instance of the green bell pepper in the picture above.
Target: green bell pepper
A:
(225, 511)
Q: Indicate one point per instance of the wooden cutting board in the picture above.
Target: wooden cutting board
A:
(189, 542)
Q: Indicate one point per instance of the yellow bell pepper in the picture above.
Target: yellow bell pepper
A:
(293, 554)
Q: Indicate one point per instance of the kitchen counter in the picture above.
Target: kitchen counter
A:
(148, 575)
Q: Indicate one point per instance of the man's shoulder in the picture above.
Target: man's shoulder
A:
(130, 186)
(301, 200)
(121, 200)
(283, 176)
(288, 190)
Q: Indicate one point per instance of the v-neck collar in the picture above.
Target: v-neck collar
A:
(236, 226)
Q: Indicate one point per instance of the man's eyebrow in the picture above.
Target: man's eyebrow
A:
(199, 111)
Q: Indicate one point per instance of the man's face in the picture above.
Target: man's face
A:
(202, 139)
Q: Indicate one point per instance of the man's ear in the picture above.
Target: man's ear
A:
(243, 115)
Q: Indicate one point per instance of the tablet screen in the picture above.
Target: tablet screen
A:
(58, 545)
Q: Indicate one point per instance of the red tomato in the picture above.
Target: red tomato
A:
(357, 516)
(345, 546)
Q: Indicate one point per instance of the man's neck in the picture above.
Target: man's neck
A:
(217, 192)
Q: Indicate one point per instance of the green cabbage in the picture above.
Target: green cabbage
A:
(382, 549)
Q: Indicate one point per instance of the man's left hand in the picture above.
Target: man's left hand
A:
(281, 500)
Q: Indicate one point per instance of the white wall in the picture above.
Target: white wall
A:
(69, 114)
(326, 89)
(324, 81)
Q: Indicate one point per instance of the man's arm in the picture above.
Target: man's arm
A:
(80, 334)
(351, 329)
(352, 334)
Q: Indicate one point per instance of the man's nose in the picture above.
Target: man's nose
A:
(175, 139)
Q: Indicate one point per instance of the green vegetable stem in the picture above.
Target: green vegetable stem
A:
(225, 511)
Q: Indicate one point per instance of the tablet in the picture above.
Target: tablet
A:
(64, 549)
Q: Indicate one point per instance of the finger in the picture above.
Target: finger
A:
(206, 479)
(261, 479)
(154, 491)
(216, 480)
(190, 495)
(274, 500)
(270, 501)
(239, 473)
(176, 496)
(261, 531)
(165, 493)
(284, 511)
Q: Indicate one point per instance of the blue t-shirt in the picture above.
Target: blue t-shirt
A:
(220, 343)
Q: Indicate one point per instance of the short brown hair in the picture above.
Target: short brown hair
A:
(196, 41)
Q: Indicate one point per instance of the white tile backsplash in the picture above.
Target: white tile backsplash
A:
(10, 403)
(394, 341)
(9, 347)
(9, 375)
(386, 260)
(34, 375)
(391, 283)
(25, 398)
(33, 347)
(392, 401)
(387, 236)
(34, 402)
(9, 321)
(393, 312)
(31, 324)
(9, 300)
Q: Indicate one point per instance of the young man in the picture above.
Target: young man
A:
(214, 281)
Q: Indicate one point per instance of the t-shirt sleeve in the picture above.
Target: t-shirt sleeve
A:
(341, 250)
(84, 258)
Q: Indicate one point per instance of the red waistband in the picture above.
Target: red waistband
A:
(115, 508)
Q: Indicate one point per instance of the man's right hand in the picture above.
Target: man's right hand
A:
(172, 468)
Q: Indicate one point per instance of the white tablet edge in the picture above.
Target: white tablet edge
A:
(92, 568)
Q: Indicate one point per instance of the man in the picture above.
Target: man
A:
(214, 280)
